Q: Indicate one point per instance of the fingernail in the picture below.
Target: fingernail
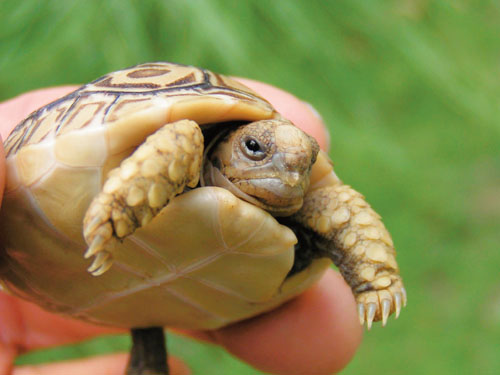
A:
(313, 110)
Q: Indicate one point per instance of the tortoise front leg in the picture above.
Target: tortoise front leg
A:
(140, 187)
(354, 237)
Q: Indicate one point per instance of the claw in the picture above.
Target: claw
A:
(99, 260)
(106, 266)
(361, 313)
(397, 303)
(92, 226)
(403, 292)
(386, 309)
(94, 247)
(370, 314)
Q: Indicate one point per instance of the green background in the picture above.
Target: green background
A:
(410, 92)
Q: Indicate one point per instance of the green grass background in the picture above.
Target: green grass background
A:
(410, 92)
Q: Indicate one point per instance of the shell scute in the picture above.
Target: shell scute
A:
(127, 95)
(34, 163)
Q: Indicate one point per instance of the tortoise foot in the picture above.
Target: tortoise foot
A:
(149, 354)
(374, 305)
(350, 233)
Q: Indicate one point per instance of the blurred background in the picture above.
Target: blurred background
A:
(410, 92)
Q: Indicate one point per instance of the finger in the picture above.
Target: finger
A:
(7, 357)
(103, 365)
(300, 113)
(316, 333)
(25, 326)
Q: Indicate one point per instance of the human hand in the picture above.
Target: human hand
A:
(316, 333)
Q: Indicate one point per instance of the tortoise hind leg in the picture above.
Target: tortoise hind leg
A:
(140, 187)
(353, 236)
(149, 354)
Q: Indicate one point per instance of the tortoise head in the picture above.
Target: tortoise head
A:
(266, 163)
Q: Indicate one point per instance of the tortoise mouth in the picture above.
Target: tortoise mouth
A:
(276, 197)
(284, 199)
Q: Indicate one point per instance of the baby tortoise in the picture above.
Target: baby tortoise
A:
(197, 204)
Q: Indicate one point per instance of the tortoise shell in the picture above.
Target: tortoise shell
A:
(207, 260)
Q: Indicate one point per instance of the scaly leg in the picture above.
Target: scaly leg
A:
(140, 187)
(354, 237)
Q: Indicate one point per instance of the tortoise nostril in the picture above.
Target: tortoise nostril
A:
(292, 160)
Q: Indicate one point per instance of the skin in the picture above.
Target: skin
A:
(318, 332)
(274, 158)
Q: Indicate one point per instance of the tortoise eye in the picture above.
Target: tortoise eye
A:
(254, 149)
(252, 145)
